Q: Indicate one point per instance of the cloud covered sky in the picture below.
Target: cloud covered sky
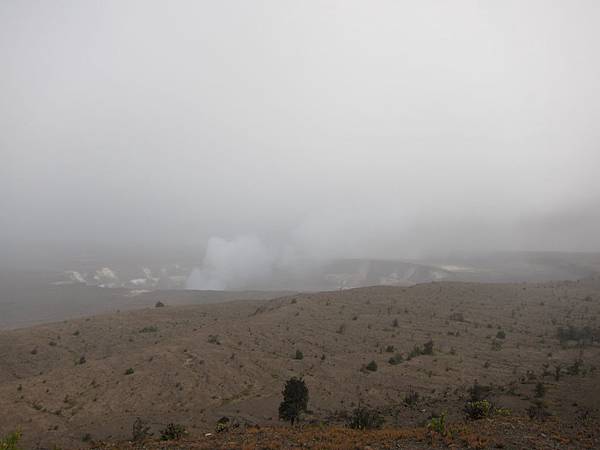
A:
(336, 128)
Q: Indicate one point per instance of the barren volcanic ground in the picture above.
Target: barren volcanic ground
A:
(90, 378)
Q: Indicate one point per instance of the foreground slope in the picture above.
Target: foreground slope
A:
(85, 379)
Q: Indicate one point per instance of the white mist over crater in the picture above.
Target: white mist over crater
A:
(233, 264)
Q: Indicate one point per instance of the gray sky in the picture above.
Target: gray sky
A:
(326, 128)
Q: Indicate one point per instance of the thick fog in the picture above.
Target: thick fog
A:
(271, 130)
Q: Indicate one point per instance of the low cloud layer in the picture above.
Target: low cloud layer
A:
(318, 129)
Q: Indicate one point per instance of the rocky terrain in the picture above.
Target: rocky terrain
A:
(82, 383)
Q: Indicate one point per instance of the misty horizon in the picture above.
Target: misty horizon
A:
(316, 130)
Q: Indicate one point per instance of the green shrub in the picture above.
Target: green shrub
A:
(396, 359)
(428, 348)
(173, 432)
(371, 367)
(224, 422)
(298, 355)
(438, 424)
(149, 329)
(365, 419)
(478, 409)
(500, 335)
(295, 400)
(11, 442)
(418, 351)
(502, 411)
(129, 371)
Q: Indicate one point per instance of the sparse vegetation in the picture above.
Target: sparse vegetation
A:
(411, 398)
(418, 351)
(476, 410)
(173, 432)
(582, 335)
(11, 442)
(478, 392)
(140, 430)
(298, 355)
(540, 389)
(363, 418)
(149, 329)
(129, 371)
(371, 367)
(428, 348)
(538, 410)
(438, 424)
(214, 339)
(396, 359)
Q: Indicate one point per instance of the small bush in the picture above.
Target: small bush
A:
(224, 422)
(540, 389)
(411, 398)
(478, 409)
(129, 371)
(11, 442)
(416, 351)
(365, 419)
(149, 329)
(428, 348)
(389, 349)
(575, 368)
(298, 355)
(502, 411)
(500, 335)
(173, 432)
(395, 323)
(396, 359)
(140, 430)
(538, 410)
(438, 424)
(371, 367)
(159, 304)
